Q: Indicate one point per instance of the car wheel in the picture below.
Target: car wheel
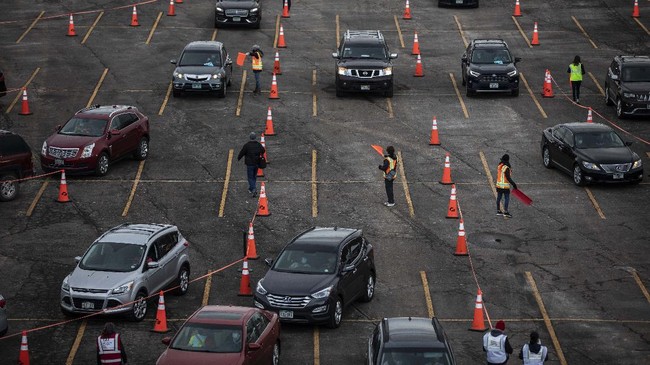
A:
(176, 93)
(275, 360)
(139, 308)
(515, 92)
(389, 93)
(608, 101)
(222, 93)
(229, 80)
(67, 313)
(462, 80)
(143, 149)
(370, 289)
(8, 190)
(546, 158)
(578, 177)
(339, 93)
(102, 165)
(336, 314)
(4, 331)
(182, 280)
(619, 109)
(258, 24)
(469, 92)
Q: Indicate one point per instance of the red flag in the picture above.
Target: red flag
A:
(379, 150)
(521, 196)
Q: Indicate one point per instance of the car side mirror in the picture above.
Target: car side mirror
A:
(348, 268)
(254, 346)
(335, 55)
(228, 61)
(77, 259)
(268, 262)
(628, 143)
(393, 56)
(167, 340)
(115, 132)
(173, 62)
(153, 265)
(57, 128)
(463, 58)
(517, 59)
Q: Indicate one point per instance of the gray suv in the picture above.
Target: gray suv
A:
(125, 265)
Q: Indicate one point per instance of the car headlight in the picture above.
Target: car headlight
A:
(590, 165)
(217, 76)
(254, 10)
(65, 286)
(260, 289)
(123, 288)
(343, 71)
(512, 73)
(387, 71)
(44, 149)
(628, 95)
(178, 75)
(88, 151)
(219, 10)
(322, 293)
(474, 73)
(637, 164)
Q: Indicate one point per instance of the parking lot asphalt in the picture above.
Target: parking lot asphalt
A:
(573, 266)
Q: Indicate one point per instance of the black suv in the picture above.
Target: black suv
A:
(628, 85)
(238, 12)
(363, 63)
(15, 163)
(409, 340)
(317, 274)
(488, 66)
(204, 66)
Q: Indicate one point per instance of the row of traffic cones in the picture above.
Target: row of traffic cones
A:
(134, 19)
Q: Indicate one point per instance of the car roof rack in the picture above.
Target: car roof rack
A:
(489, 41)
(364, 33)
(96, 106)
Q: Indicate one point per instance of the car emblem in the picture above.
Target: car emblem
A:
(494, 75)
(365, 73)
(620, 168)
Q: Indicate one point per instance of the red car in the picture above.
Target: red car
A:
(94, 138)
(225, 335)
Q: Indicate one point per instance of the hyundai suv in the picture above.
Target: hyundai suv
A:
(317, 274)
(364, 63)
(488, 66)
(628, 85)
(409, 340)
(123, 267)
(204, 66)
(15, 163)
(238, 12)
(94, 138)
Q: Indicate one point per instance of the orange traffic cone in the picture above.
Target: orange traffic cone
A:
(268, 131)
(416, 45)
(418, 68)
(263, 143)
(478, 324)
(263, 205)
(260, 172)
(517, 9)
(535, 41)
(590, 118)
(407, 11)
(452, 208)
(461, 244)
(434, 141)
(179, 1)
(172, 9)
(251, 250)
(23, 358)
(281, 43)
(71, 32)
(276, 64)
(547, 91)
(635, 12)
(63, 189)
(161, 316)
(245, 283)
(274, 94)
(134, 18)
(446, 174)
(24, 108)
(285, 9)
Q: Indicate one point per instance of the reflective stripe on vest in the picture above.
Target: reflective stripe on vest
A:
(391, 166)
(495, 348)
(502, 182)
(109, 349)
(531, 358)
(576, 72)
(257, 62)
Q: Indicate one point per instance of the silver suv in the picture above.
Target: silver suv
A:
(125, 265)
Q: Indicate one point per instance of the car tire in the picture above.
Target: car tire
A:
(4, 331)
(142, 152)
(67, 313)
(103, 164)
(258, 24)
(389, 92)
(546, 158)
(222, 93)
(275, 357)
(462, 81)
(608, 101)
(139, 310)
(619, 109)
(339, 93)
(515, 92)
(470, 92)
(229, 83)
(370, 289)
(578, 176)
(182, 281)
(176, 93)
(336, 314)
(8, 191)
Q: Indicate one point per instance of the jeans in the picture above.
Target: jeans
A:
(257, 80)
(251, 172)
(505, 193)
(575, 87)
(389, 190)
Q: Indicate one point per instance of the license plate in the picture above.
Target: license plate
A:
(196, 86)
(87, 305)
(494, 85)
(365, 87)
(236, 19)
(59, 162)
(618, 176)
(286, 314)
(459, 1)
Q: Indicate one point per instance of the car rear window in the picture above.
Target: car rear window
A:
(11, 144)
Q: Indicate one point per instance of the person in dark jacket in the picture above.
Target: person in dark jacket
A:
(504, 183)
(496, 345)
(110, 349)
(251, 152)
(389, 167)
(534, 353)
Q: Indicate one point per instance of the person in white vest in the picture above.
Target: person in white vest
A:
(496, 345)
(534, 353)
(109, 347)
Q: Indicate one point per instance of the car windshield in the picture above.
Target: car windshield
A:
(113, 256)
(305, 261)
(636, 74)
(415, 356)
(607, 139)
(84, 127)
(365, 51)
(200, 58)
(206, 337)
(491, 56)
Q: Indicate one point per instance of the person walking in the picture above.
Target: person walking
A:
(575, 71)
(110, 349)
(389, 167)
(504, 182)
(496, 345)
(533, 353)
(252, 151)
(256, 55)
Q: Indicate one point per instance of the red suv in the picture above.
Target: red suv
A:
(95, 137)
(15, 163)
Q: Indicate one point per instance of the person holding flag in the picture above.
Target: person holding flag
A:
(389, 167)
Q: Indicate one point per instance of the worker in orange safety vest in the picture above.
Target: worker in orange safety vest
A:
(503, 184)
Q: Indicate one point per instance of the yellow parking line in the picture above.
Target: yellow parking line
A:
(99, 84)
(277, 31)
(532, 95)
(583, 31)
(547, 320)
(460, 98)
(206, 290)
(338, 33)
(31, 26)
(399, 32)
(314, 185)
(20, 94)
(135, 186)
(600, 89)
(316, 346)
(648, 153)
(595, 203)
(486, 167)
(389, 107)
(226, 182)
(240, 100)
(37, 198)
(522, 32)
(641, 25)
(427, 294)
(77, 342)
(92, 27)
(405, 184)
(153, 29)
(460, 30)
(314, 97)
(164, 103)
(641, 286)
(214, 35)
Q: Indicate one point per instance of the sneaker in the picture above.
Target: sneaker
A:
(507, 215)
(499, 212)
(389, 204)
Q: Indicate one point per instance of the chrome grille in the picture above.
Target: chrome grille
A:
(62, 152)
(282, 301)
(84, 290)
(616, 168)
(643, 97)
(494, 78)
(237, 12)
(190, 77)
(364, 73)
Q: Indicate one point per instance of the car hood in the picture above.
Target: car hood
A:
(636, 87)
(364, 63)
(179, 357)
(88, 279)
(607, 155)
(492, 68)
(285, 283)
(68, 141)
(198, 70)
(238, 4)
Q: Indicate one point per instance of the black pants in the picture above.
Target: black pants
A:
(389, 190)
(575, 87)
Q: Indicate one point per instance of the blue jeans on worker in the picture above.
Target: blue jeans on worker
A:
(505, 193)
(257, 80)
(251, 172)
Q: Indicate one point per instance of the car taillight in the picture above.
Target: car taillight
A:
(2, 303)
(186, 244)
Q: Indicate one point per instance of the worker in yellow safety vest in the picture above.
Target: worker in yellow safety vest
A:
(389, 167)
(504, 182)
(576, 70)
(256, 55)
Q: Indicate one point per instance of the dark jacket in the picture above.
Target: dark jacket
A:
(251, 151)
(534, 348)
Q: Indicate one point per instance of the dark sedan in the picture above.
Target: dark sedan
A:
(317, 274)
(238, 12)
(459, 3)
(591, 152)
(204, 66)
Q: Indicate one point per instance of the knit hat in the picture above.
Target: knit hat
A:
(252, 136)
(505, 158)
(501, 325)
